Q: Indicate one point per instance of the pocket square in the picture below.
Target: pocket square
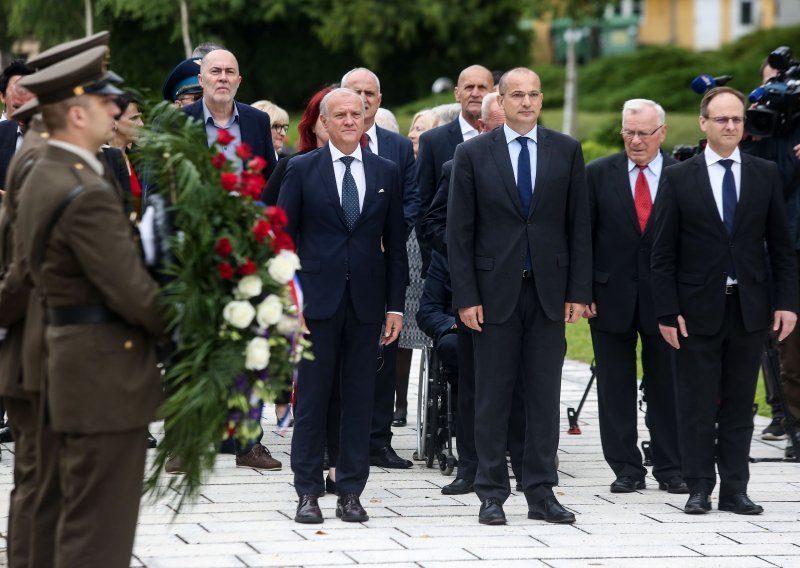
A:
(380, 190)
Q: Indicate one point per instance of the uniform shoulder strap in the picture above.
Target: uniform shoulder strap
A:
(41, 249)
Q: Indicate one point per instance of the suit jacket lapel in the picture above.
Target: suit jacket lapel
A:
(385, 148)
(325, 169)
(543, 157)
(746, 194)
(706, 194)
(621, 181)
(371, 176)
(499, 151)
(454, 134)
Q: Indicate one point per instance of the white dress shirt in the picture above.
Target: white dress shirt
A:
(372, 137)
(356, 168)
(514, 149)
(716, 171)
(652, 173)
(467, 130)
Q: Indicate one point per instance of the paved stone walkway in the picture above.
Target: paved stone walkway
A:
(244, 517)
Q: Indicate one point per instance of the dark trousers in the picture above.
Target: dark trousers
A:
(531, 341)
(401, 376)
(383, 405)
(716, 378)
(617, 392)
(101, 483)
(346, 347)
(23, 417)
(790, 375)
(772, 383)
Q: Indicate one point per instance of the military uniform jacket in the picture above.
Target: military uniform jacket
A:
(100, 377)
(15, 305)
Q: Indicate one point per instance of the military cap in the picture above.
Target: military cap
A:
(83, 74)
(66, 50)
(183, 79)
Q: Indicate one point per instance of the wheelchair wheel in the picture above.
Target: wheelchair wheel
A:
(431, 427)
(446, 463)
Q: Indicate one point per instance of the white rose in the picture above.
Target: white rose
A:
(257, 354)
(239, 314)
(269, 311)
(249, 287)
(288, 325)
(283, 266)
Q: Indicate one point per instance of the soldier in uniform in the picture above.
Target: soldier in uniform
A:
(102, 386)
(35, 499)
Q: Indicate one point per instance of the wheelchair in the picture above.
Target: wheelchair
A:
(436, 411)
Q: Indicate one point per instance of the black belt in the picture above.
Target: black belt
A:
(527, 274)
(77, 315)
(731, 289)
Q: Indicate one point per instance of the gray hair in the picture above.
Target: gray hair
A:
(445, 113)
(205, 47)
(323, 106)
(346, 76)
(276, 113)
(486, 104)
(386, 119)
(635, 106)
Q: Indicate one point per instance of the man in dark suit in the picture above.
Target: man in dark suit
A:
(217, 110)
(397, 149)
(11, 131)
(622, 190)
(438, 145)
(712, 299)
(519, 249)
(345, 213)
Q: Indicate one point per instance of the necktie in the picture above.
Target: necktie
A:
(349, 194)
(524, 185)
(364, 140)
(642, 199)
(729, 205)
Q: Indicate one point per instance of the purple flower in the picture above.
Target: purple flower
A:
(262, 374)
(235, 416)
(241, 383)
(255, 413)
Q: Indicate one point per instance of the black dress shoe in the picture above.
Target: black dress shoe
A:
(330, 485)
(491, 513)
(459, 486)
(740, 504)
(674, 484)
(308, 511)
(151, 441)
(399, 418)
(698, 503)
(550, 510)
(386, 457)
(349, 509)
(5, 435)
(627, 484)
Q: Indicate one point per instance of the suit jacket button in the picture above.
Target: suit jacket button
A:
(128, 344)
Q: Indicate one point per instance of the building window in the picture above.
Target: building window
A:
(746, 13)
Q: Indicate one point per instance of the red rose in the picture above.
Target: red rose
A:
(229, 181)
(244, 151)
(248, 268)
(282, 241)
(219, 161)
(225, 270)
(277, 217)
(224, 137)
(257, 164)
(223, 247)
(261, 230)
(253, 184)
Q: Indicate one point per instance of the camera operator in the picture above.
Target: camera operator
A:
(780, 142)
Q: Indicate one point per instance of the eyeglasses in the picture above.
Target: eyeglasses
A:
(519, 96)
(723, 120)
(631, 134)
(281, 128)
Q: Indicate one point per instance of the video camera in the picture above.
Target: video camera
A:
(778, 100)
(700, 85)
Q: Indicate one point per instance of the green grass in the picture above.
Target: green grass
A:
(579, 348)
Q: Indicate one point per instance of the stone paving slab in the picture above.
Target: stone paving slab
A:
(244, 517)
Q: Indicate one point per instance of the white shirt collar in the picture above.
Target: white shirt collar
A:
(373, 132)
(655, 165)
(712, 157)
(511, 135)
(336, 153)
(82, 153)
(466, 127)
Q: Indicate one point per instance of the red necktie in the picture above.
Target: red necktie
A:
(364, 140)
(642, 199)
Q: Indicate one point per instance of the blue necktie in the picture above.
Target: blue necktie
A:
(349, 194)
(729, 205)
(524, 185)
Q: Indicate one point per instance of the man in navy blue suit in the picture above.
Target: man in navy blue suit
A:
(218, 109)
(399, 150)
(344, 207)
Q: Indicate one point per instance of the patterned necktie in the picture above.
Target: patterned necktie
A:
(349, 194)
(729, 205)
(642, 199)
(525, 185)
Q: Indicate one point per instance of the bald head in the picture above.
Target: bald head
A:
(220, 78)
(516, 74)
(473, 84)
